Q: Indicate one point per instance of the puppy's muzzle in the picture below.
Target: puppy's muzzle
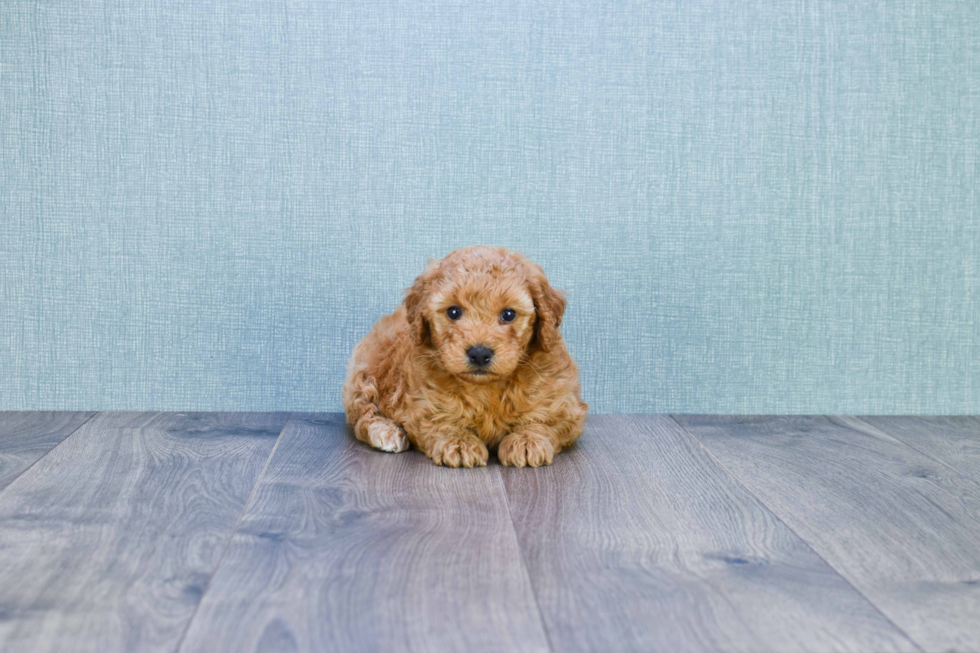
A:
(479, 355)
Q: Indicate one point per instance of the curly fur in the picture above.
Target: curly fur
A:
(409, 380)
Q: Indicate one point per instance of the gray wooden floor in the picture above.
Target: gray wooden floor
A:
(276, 532)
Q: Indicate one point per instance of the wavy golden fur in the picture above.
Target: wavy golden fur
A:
(410, 380)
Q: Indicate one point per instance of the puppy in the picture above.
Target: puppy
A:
(471, 359)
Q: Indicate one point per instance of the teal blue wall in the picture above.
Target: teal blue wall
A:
(765, 206)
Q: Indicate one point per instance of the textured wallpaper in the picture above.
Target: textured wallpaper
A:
(766, 206)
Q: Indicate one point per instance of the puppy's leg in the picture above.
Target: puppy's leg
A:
(533, 446)
(382, 433)
(369, 424)
(537, 444)
(453, 447)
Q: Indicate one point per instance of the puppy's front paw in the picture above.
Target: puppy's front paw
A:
(387, 436)
(459, 451)
(520, 449)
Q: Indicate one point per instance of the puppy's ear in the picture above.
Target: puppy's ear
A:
(549, 304)
(416, 299)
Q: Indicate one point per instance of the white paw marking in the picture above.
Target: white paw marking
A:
(387, 437)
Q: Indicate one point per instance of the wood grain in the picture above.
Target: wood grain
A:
(953, 441)
(344, 548)
(902, 528)
(107, 542)
(636, 539)
(26, 436)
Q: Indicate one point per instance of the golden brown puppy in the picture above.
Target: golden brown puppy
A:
(471, 359)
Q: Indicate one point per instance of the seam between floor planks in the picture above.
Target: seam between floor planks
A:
(795, 532)
(73, 431)
(345, 492)
(870, 422)
(498, 479)
(221, 558)
(893, 521)
(527, 569)
(659, 548)
(157, 443)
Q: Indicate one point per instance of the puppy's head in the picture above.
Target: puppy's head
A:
(481, 310)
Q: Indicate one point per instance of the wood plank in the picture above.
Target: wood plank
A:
(26, 436)
(636, 539)
(108, 541)
(344, 548)
(953, 441)
(902, 528)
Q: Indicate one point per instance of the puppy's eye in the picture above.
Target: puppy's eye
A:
(454, 312)
(508, 315)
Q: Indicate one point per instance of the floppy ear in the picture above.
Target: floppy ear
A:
(416, 299)
(549, 304)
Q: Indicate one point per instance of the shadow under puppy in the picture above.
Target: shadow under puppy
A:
(471, 359)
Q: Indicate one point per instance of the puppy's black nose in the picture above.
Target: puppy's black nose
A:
(480, 355)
